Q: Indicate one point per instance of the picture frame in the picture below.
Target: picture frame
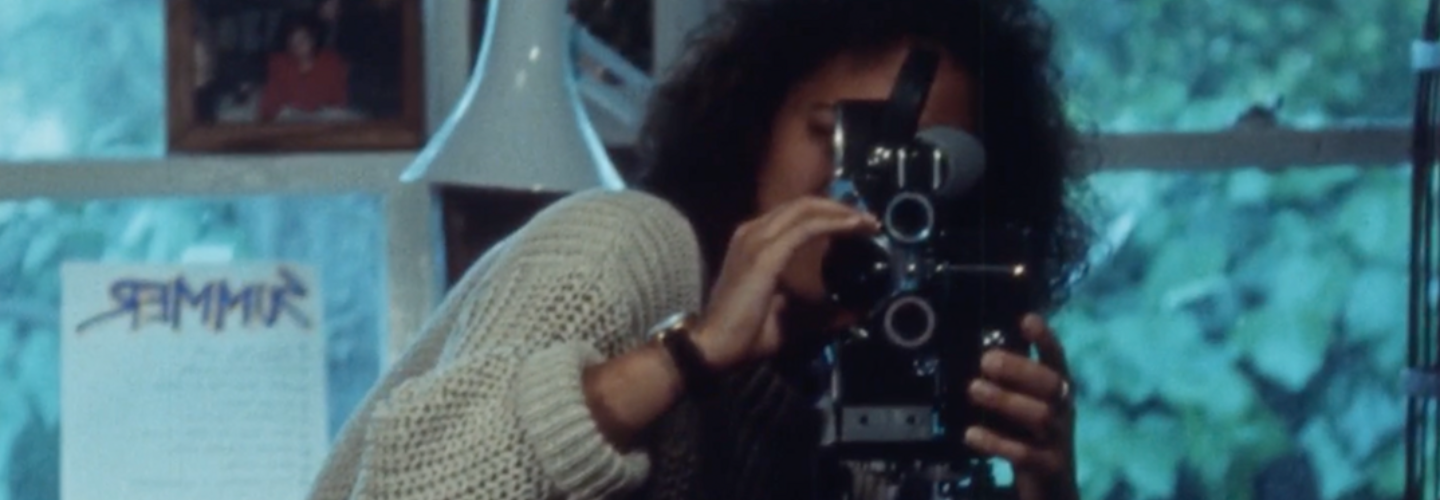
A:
(294, 75)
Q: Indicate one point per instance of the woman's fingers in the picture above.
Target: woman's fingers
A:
(1031, 393)
(1022, 374)
(1038, 332)
(784, 245)
(740, 321)
(1045, 379)
(779, 221)
(1023, 409)
(766, 244)
(1046, 461)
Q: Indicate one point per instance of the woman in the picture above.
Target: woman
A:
(304, 79)
(536, 378)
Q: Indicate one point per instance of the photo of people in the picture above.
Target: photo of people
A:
(295, 61)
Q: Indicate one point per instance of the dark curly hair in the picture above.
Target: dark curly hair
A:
(709, 125)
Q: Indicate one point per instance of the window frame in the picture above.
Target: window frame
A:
(413, 270)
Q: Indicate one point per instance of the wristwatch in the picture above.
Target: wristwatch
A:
(674, 335)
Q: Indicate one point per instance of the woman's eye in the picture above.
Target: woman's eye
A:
(821, 122)
(822, 129)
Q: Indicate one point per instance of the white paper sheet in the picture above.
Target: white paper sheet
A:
(191, 382)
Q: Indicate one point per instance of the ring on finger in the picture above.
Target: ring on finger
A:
(1064, 397)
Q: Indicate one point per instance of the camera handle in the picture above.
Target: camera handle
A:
(901, 117)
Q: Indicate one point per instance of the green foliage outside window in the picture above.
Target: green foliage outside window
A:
(1187, 65)
(1239, 336)
(1242, 332)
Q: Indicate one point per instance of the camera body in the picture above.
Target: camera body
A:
(932, 293)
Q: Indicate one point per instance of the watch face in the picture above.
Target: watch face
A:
(677, 321)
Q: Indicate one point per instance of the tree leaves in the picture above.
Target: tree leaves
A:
(1234, 303)
(1164, 65)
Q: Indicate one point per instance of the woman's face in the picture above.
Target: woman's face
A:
(798, 162)
(301, 43)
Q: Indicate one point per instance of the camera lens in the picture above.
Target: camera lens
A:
(909, 322)
(856, 273)
(909, 218)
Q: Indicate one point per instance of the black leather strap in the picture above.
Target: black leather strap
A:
(699, 379)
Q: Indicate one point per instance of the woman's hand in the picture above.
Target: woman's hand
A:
(1035, 396)
(741, 319)
(627, 393)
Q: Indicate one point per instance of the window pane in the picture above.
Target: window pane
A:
(85, 78)
(1241, 334)
(340, 236)
(82, 79)
(1162, 64)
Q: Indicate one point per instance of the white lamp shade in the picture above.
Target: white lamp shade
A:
(520, 124)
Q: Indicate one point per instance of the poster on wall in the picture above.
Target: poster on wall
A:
(191, 381)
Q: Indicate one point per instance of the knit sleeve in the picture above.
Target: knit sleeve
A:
(501, 414)
(556, 422)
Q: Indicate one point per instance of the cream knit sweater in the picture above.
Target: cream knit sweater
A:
(486, 403)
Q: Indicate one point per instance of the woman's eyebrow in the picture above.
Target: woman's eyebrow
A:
(823, 110)
(825, 105)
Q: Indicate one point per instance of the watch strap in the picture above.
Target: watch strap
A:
(699, 379)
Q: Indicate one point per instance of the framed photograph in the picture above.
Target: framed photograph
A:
(294, 75)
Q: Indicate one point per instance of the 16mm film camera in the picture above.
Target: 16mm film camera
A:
(935, 289)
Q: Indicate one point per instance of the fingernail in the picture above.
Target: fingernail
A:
(972, 437)
(991, 362)
(982, 389)
(1032, 322)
